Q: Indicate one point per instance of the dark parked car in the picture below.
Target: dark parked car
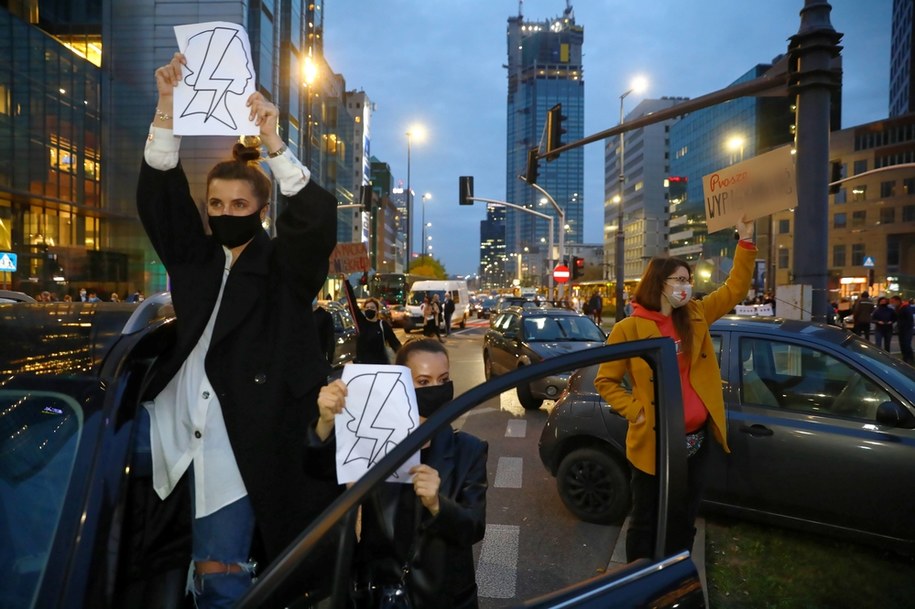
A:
(821, 427)
(522, 336)
(80, 525)
(484, 307)
(345, 333)
(7, 296)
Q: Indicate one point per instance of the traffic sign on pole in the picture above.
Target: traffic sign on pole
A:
(561, 273)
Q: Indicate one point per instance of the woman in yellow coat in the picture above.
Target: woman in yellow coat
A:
(664, 307)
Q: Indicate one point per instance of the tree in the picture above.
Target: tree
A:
(428, 267)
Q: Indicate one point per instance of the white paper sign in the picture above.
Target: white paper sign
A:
(751, 189)
(380, 412)
(217, 80)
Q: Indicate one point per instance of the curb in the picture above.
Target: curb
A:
(618, 557)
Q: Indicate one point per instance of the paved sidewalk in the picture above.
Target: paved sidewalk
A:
(619, 551)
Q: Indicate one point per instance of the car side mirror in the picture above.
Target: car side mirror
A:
(510, 334)
(895, 415)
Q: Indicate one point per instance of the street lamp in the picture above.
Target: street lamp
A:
(735, 143)
(309, 74)
(418, 132)
(638, 85)
(426, 197)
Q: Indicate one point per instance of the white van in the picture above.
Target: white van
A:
(459, 294)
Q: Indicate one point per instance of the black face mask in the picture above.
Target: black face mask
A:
(232, 231)
(370, 313)
(432, 397)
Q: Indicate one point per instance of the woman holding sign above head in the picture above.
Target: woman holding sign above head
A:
(416, 540)
(230, 402)
(663, 307)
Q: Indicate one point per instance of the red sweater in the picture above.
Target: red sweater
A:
(694, 411)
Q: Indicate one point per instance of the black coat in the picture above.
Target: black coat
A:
(264, 360)
(441, 574)
(373, 335)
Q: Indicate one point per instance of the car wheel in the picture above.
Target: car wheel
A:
(487, 366)
(527, 399)
(593, 486)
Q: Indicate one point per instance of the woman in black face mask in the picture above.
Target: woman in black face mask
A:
(374, 332)
(232, 398)
(438, 518)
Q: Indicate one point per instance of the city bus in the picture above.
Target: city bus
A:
(392, 288)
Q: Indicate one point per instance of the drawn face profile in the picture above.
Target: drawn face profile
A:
(385, 419)
(218, 66)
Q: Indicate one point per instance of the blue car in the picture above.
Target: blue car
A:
(821, 426)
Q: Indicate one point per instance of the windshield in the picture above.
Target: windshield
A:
(884, 361)
(566, 328)
(416, 298)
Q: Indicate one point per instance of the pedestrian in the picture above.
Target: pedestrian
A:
(92, 296)
(418, 538)
(115, 297)
(861, 315)
(596, 305)
(375, 334)
(429, 311)
(905, 319)
(233, 400)
(664, 307)
(439, 313)
(449, 312)
(883, 317)
(68, 298)
(83, 295)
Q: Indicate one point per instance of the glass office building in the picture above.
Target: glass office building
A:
(707, 140)
(544, 69)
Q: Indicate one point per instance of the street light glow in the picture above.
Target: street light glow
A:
(735, 143)
(309, 70)
(639, 84)
(417, 132)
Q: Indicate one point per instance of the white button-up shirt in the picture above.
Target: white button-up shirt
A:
(186, 418)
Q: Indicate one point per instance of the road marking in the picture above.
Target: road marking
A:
(517, 428)
(508, 472)
(497, 571)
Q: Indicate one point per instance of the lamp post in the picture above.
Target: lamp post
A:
(620, 263)
(413, 131)
(426, 197)
(734, 144)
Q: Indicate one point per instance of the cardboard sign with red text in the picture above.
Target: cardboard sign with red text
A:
(349, 258)
(751, 189)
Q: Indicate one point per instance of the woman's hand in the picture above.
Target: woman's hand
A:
(426, 484)
(265, 116)
(331, 401)
(167, 78)
(746, 229)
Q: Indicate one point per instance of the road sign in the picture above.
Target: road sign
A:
(561, 273)
(7, 262)
(869, 261)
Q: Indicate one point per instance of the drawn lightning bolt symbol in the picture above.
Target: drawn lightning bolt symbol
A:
(210, 80)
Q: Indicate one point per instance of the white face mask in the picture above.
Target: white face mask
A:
(680, 295)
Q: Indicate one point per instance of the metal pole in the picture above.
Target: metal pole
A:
(550, 259)
(619, 262)
(424, 226)
(409, 222)
(562, 217)
(813, 49)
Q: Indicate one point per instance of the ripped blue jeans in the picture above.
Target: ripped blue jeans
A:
(224, 536)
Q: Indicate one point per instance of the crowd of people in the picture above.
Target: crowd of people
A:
(887, 317)
(87, 295)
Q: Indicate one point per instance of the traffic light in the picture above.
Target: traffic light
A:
(533, 168)
(578, 267)
(465, 194)
(366, 197)
(554, 131)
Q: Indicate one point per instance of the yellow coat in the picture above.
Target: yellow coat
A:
(704, 373)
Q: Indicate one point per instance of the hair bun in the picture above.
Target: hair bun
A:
(245, 154)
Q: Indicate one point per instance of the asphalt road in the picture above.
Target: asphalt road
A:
(533, 545)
